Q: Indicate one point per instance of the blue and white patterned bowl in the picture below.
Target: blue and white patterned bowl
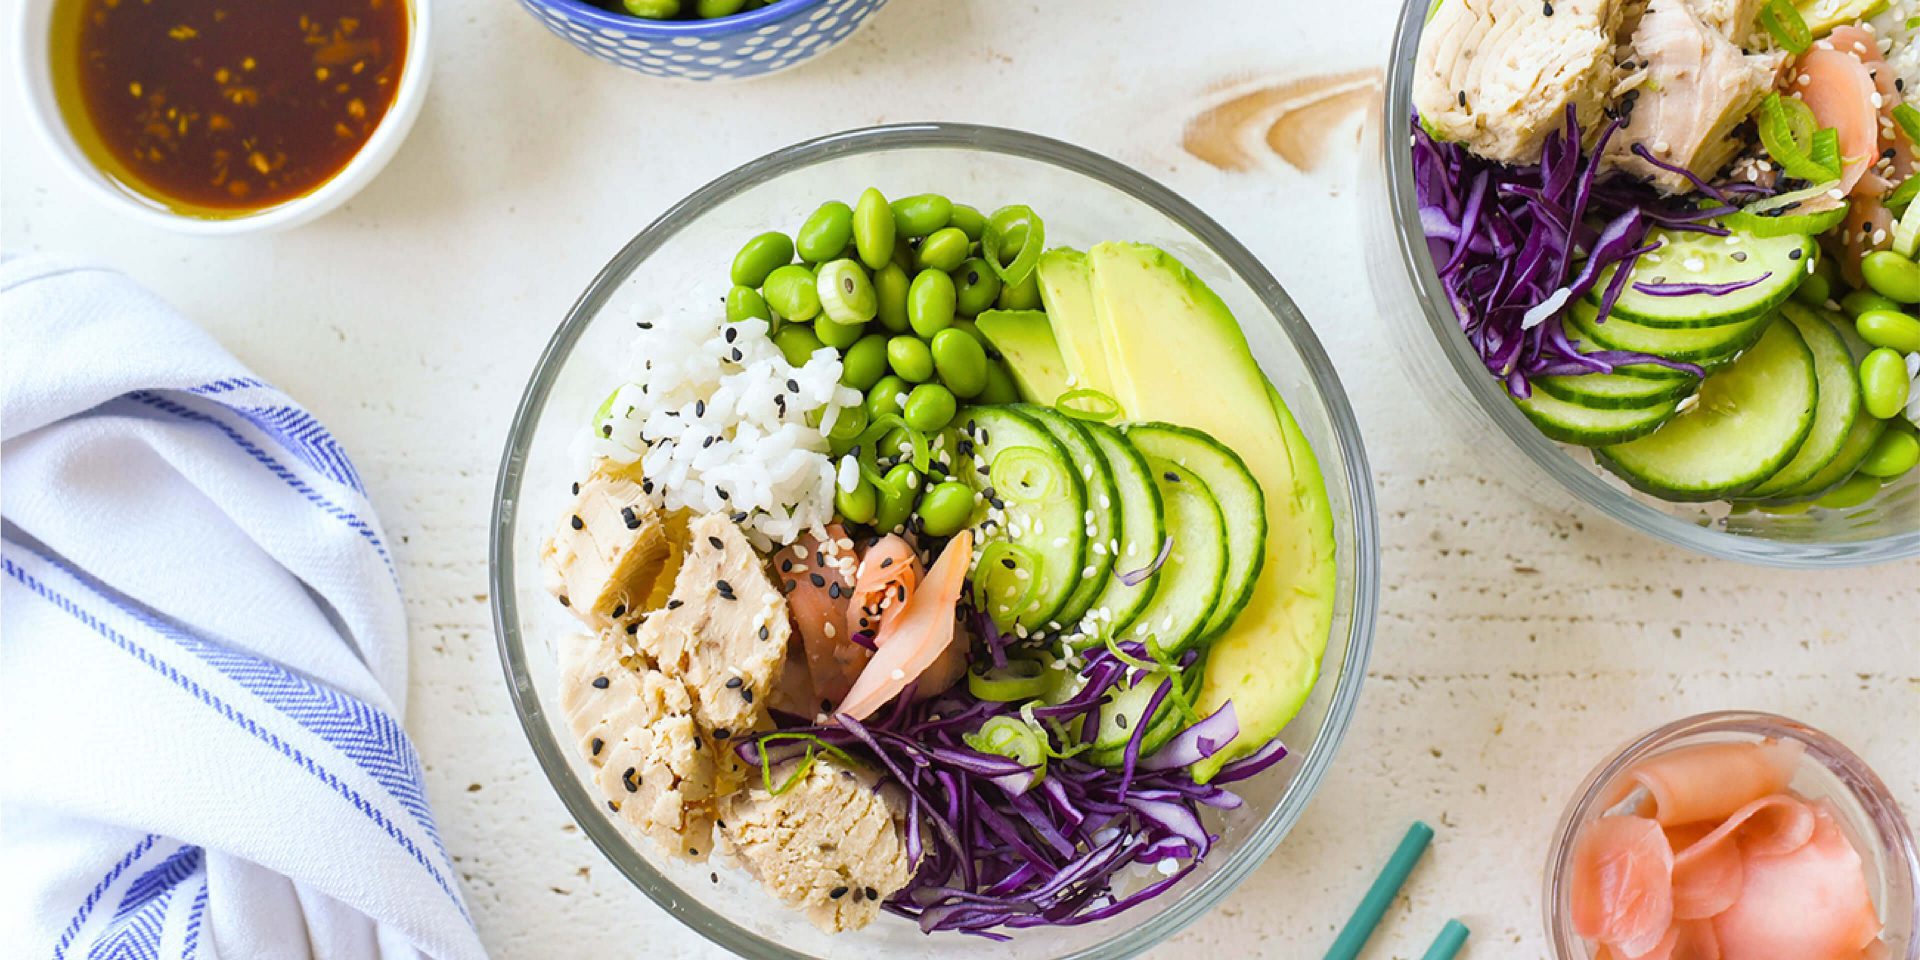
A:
(750, 44)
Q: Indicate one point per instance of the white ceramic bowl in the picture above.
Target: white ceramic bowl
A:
(34, 59)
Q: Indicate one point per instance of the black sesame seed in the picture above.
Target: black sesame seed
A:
(643, 324)
(633, 521)
(675, 604)
(818, 580)
(576, 489)
(826, 706)
(630, 780)
(721, 733)
(708, 442)
(886, 562)
(731, 334)
(699, 408)
(724, 495)
(747, 695)
(833, 591)
(601, 683)
(633, 628)
(693, 851)
(736, 355)
(873, 894)
(739, 517)
(836, 893)
(578, 524)
(859, 895)
(646, 485)
(1007, 562)
(1795, 253)
(619, 610)
(765, 633)
(1462, 97)
(793, 386)
(607, 431)
(613, 805)
(597, 744)
(788, 586)
(1172, 477)
(566, 602)
(716, 544)
(1120, 720)
(1547, 8)
(733, 683)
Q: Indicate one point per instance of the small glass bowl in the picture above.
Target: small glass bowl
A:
(1828, 771)
(1085, 199)
(1455, 384)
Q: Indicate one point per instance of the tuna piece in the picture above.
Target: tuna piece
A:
(608, 552)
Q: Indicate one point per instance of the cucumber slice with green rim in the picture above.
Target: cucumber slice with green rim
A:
(1196, 567)
(1745, 423)
(1588, 427)
(1143, 527)
(1043, 517)
(1706, 346)
(1242, 506)
(1122, 707)
(1686, 257)
(1613, 391)
(1838, 405)
(1861, 437)
(1102, 516)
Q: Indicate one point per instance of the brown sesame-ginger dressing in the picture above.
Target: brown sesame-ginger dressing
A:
(219, 109)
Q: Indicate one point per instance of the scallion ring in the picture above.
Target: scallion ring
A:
(998, 587)
(1007, 226)
(1018, 680)
(1024, 475)
(1788, 27)
(1808, 212)
(1787, 129)
(1012, 738)
(1086, 403)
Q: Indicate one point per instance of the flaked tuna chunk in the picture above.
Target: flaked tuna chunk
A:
(1497, 76)
(1697, 87)
(610, 548)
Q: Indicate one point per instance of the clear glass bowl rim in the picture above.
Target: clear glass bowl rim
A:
(1854, 773)
(1491, 398)
(1319, 755)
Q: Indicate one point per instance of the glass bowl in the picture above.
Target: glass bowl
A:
(1867, 811)
(1085, 198)
(1458, 389)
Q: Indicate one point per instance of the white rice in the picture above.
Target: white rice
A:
(715, 434)
(1900, 44)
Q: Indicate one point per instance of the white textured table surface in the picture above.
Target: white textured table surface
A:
(1515, 645)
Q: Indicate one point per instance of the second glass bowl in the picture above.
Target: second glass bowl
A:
(683, 256)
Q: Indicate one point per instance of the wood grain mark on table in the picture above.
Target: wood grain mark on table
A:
(1244, 124)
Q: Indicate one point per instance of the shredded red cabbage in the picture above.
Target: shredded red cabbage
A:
(1689, 289)
(1518, 245)
(995, 849)
(1134, 578)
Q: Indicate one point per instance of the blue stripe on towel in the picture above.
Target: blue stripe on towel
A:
(191, 948)
(287, 476)
(232, 714)
(99, 889)
(136, 929)
(289, 424)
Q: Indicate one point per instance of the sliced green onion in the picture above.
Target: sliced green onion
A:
(1808, 212)
(1018, 680)
(1787, 130)
(806, 762)
(1024, 475)
(1826, 150)
(1903, 195)
(1113, 647)
(1908, 117)
(885, 424)
(1012, 738)
(1086, 403)
(600, 416)
(1788, 27)
(1007, 225)
(999, 564)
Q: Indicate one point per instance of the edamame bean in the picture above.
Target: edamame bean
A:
(946, 509)
(897, 497)
(971, 222)
(865, 362)
(1858, 489)
(1892, 276)
(961, 361)
(1861, 301)
(1883, 382)
(653, 9)
(1889, 328)
(930, 302)
(826, 233)
(873, 229)
(797, 343)
(910, 358)
(890, 287)
(745, 303)
(886, 397)
(760, 257)
(860, 504)
(1000, 387)
(945, 250)
(715, 9)
(835, 334)
(975, 287)
(921, 215)
(846, 295)
(1024, 295)
(929, 407)
(847, 427)
(790, 292)
(1897, 450)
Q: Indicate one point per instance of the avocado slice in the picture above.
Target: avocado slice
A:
(1025, 339)
(1268, 660)
(1822, 16)
(1067, 291)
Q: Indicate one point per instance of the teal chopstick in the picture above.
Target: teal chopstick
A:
(1385, 887)
(1452, 937)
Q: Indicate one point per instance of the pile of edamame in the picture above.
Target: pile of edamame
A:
(1881, 317)
(685, 9)
(894, 287)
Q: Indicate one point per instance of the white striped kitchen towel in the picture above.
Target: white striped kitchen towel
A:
(203, 665)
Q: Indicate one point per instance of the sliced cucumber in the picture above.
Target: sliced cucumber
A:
(1242, 506)
(1861, 437)
(1122, 708)
(1143, 527)
(1837, 408)
(1102, 516)
(1196, 567)
(1042, 516)
(1588, 427)
(1614, 391)
(1746, 422)
(1686, 257)
(1705, 346)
